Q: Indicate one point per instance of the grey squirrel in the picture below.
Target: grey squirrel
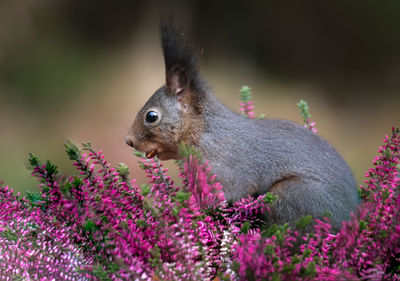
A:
(249, 157)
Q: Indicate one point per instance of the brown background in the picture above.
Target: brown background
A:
(81, 69)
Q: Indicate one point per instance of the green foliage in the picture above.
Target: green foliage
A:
(138, 153)
(100, 273)
(51, 170)
(245, 94)
(303, 222)
(34, 160)
(77, 182)
(304, 110)
(88, 147)
(276, 277)
(182, 196)
(223, 277)
(363, 193)
(141, 223)
(145, 190)
(308, 271)
(123, 172)
(277, 231)
(155, 259)
(185, 151)
(34, 198)
(73, 151)
(362, 224)
(90, 226)
(65, 188)
(9, 235)
(47, 175)
(327, 214)
(18, 277)
(269, 198)
(245, 228)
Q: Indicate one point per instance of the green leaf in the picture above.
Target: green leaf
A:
(362, 225)
(34, 160)
(138, 153)
(310, 270)
(275, 230)
(185, 151)
(245, 227)
(245, 94)
(73, 151)
(9, 235)
(122, 170)
(175, 211)
(182, 196)
(269, 198)
(385, 193)
(141, 223)
(276, 277)
(304, 110)
(155, 259)
(327, 214)
(89, 226)
(51, 169)
(77, 182)
(34, 197)
(307, 253)
(303, 222)
(87, 145)
(145, 190)
(66, 188)
(99, 272)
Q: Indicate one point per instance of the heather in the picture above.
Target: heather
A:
(103, 225)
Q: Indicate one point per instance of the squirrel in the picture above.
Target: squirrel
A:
(248, 156)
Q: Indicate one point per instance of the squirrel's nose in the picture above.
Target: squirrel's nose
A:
(128, 141)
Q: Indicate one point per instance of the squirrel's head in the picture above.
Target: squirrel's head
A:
(173, 114)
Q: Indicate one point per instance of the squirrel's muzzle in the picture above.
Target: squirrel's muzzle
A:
(128, 141)
(149, 154)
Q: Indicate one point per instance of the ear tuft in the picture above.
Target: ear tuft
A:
(180, 59)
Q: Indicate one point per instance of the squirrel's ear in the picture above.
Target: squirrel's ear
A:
(177, 80)
(180, 60)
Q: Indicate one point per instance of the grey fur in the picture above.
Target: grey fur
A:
(249, 157)
(257, 156)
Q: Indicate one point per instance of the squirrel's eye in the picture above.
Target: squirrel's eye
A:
(151, 117)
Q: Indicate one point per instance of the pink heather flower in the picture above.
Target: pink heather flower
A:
(311, 126)
(99, 226)
(246, 105)
(365, 248)
(205, 191)
(31, 247)
(247, 109)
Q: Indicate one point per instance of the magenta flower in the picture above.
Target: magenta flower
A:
(101, 226)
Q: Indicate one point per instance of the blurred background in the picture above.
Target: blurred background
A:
(82, 69)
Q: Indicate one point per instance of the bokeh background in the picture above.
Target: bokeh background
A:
(81, 70)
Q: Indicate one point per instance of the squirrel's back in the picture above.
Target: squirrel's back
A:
(271, 155)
